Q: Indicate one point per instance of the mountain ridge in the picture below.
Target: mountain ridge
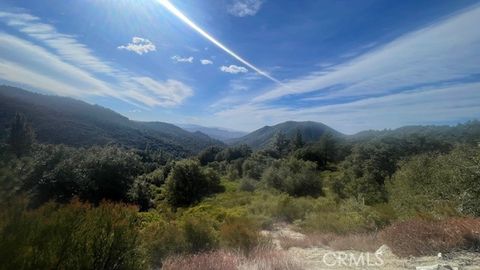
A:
(63, 120)
(222, 134)
(262, 137)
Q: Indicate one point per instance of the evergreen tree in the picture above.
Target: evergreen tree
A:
(281, 143)
(297, 141)
(22, 136)
(327, 148)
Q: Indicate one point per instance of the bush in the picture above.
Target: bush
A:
(59, 173)
(142, 193)
(248, 185)
(420, 237)
(290, 209)
(254, 166)
(239, 233)
(347, 217)
(199, 234)
(107, 173)
(162, 238)
(188, 183)
(72, 236)
(438, 185)
(295, 177)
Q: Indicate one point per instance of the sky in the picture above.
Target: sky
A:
(243, 64)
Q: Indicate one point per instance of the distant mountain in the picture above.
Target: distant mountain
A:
(468, 132)
(261, 138)
(61, 120)
(214, 132)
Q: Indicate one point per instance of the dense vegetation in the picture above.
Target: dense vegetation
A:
(60, 120)
(112, 207)
(262, 138)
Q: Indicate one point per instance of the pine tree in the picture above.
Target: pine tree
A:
(22, 136)
(327, 146)
(297, 141)
(281, 143)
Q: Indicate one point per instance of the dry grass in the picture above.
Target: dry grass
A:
(259, 259)
(360, 242)
(420, 237)
(216, 260)
(269, 259)
(311, 240)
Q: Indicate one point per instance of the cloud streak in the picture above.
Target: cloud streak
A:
(64, 66)
(172, 9)
(426, 76)
(65, 45)
(423, 106)
(444, 51)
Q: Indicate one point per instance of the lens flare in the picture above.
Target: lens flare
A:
(172, 9)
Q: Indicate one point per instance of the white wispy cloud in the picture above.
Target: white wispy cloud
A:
(65, 45)
(233, 69)
(60, 64)
(242, 8)
(447, 50)
(432, 105)
(179, 59)
(170, 92)
(422, 77)
(139, 45)
(206, 62)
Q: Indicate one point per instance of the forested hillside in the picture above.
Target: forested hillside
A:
(263, 137)
(72, 122)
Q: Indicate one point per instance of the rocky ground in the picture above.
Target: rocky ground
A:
(323, 257)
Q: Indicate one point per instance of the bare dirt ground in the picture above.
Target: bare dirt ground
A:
(323, 257)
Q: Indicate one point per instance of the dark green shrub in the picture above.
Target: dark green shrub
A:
(107, 173)
(248, 185)
(208, 155)
(188, 183)
(254, 166)
(234, 152)
(60, 173)
(438, 185)
(295, 177)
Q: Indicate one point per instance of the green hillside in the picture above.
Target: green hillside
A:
(60, 120)
(261, 138)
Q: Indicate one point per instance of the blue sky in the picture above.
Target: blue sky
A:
(242, 64)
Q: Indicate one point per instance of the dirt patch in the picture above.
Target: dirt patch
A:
(314, 254)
